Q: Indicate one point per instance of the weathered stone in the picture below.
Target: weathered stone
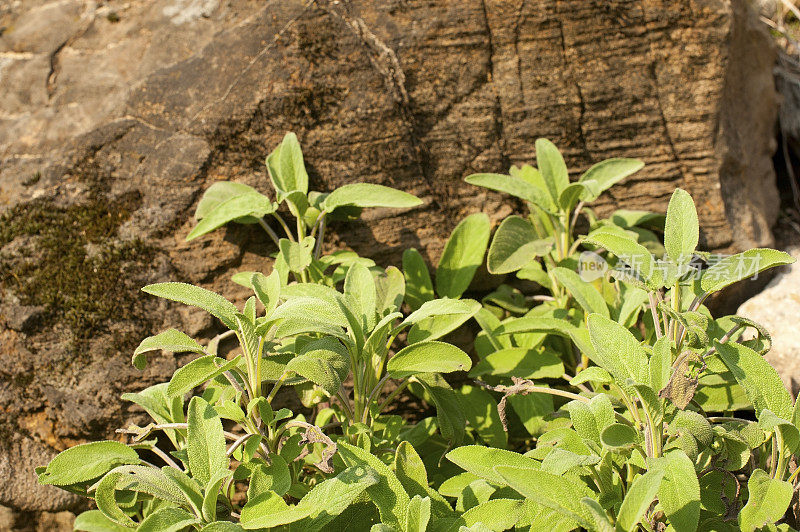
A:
(116, 117)
(777, 308)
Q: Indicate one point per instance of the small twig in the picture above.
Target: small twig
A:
(524, 387)
(164, 456)
(142, 432)
(243, 438)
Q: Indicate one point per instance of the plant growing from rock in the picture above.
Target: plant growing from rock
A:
(633, 444)
(626, 387)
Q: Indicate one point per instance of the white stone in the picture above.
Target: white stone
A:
(778, 309)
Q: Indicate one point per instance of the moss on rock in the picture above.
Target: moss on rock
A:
(73, 265)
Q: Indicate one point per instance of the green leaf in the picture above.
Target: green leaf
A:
(760, 381)
(514, 245)
(519, 188)
(574, 191)
(618, 436)
(638, 499)
(219, 192)
(661, 363)
(171, 340)
(206, 442)
(441, 307)
(462, 256)
(617, 350)
(639, 261)
(388, 493)
(741, 266)
(481, 461)
(552, 167)
(167, 520)
(480, 409)
(520, 362)
(86, 462)
(311, 309)
(390, 288)
(599, 515)
(250, 204)
(268, 510)
(682, 230)
(560, 493)
(584, 293)
(95, 521)
(419, 288)
(608, 173)
(592, 374)
(369, 195)
(449, 412)
(359, 287)
(412, 475)
(145, 479)
(590, 419)
(325, 362)
(419, 513)
(197, 372)
(427, 357)
(105, 497)
(768, 500)
(434, 327)
(267, 289)
(287, 169)
(334, 495)
(580, 337)
(209, 508)
(297, 255)
(222, 526)
(195, 296)
(188, 487)
(679, 493)
(496, 514)
(273, 477)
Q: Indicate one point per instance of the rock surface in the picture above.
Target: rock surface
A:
(777, 308)
(116, 116)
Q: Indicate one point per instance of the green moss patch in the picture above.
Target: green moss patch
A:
(74, 266)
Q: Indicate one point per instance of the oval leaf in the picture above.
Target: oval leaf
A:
(188, 294)
(86, 462)
(171, 340)
(369, 195)
(515, 244)
(462, 255)
(428, 357)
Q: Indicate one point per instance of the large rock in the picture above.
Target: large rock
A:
(777, 309)
(115, 117)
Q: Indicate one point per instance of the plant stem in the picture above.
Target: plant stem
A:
(283, 224)
(654, 312)
(277, 387)
(320, 237)
(272, 234)
(394, 393)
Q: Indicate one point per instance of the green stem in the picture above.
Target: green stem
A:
(277, 387)
(392, 395)
(283, 224)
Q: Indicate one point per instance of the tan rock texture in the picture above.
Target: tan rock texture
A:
(115, 116)
(777, 308)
